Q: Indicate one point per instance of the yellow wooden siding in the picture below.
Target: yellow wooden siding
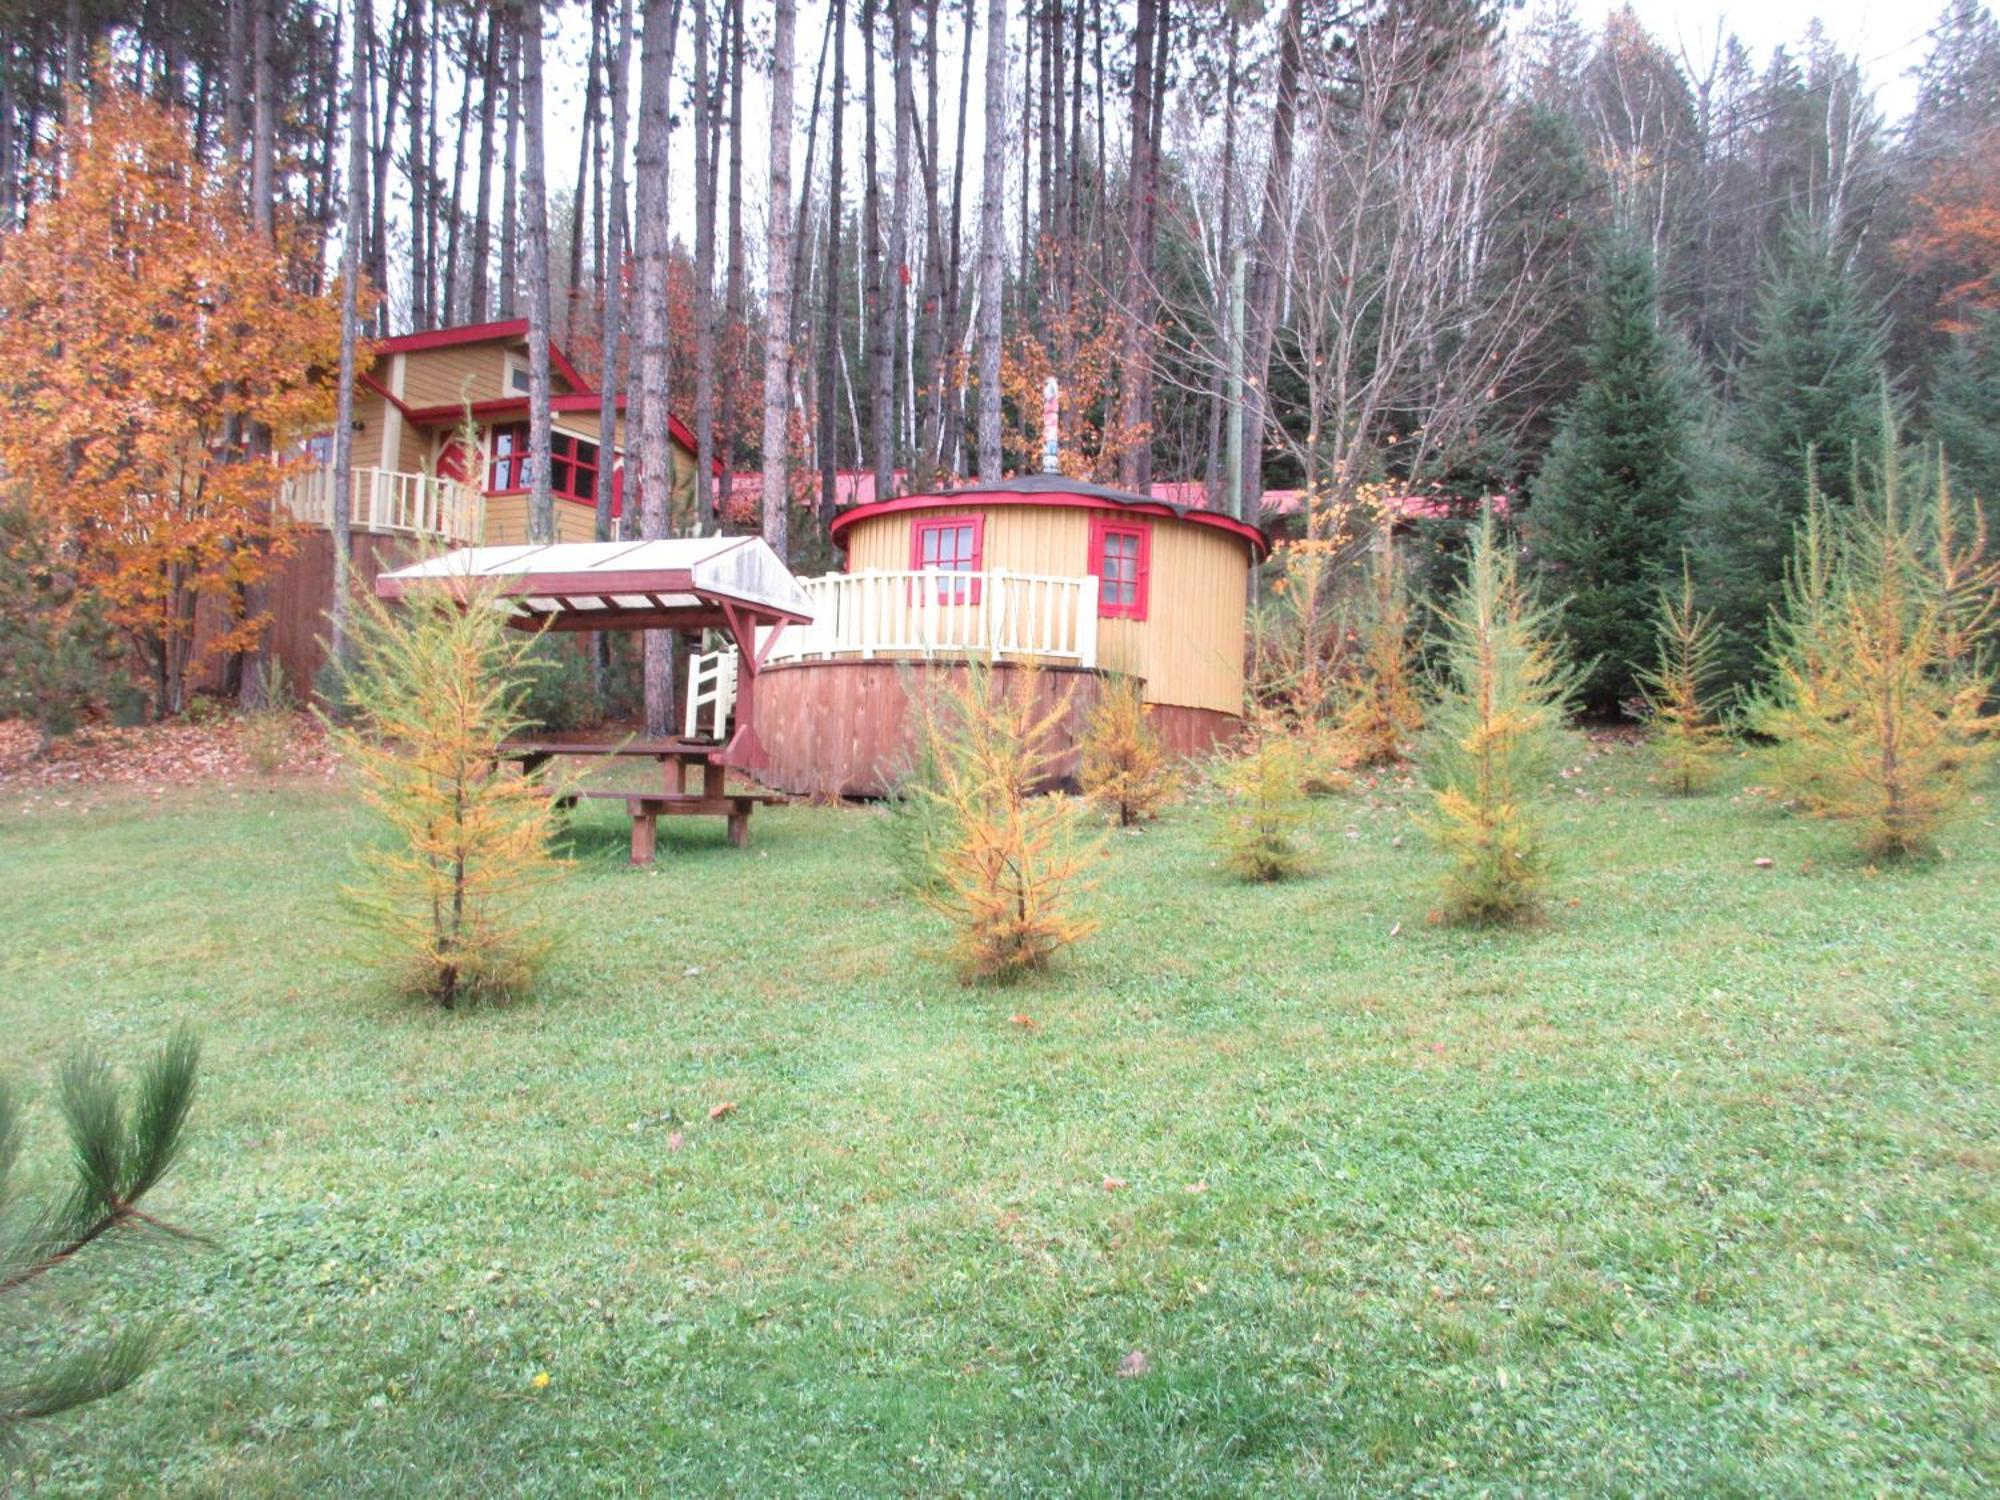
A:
(369, 410)
(449, 377)
(507, 521)
(1189, 648)
(418, 450)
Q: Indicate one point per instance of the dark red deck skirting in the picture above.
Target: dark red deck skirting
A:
(842, 728)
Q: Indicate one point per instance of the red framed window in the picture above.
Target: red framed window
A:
(950, 544)
(1119, 558)
(572, 464)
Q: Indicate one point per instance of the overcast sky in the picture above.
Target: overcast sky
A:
(1889, 41)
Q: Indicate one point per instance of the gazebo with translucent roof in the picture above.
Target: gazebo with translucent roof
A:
(736, 585)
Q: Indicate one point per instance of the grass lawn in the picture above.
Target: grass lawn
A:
(1689, 1191)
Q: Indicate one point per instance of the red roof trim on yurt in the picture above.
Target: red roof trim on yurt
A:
(1054, 490)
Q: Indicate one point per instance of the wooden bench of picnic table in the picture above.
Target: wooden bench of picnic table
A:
(646, 808)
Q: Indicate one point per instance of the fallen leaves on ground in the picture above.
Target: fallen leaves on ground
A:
(723, 1110)
(154, 755)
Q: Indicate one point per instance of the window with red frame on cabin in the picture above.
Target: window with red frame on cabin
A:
(950, 544)
(572, 464)
(1118, 558)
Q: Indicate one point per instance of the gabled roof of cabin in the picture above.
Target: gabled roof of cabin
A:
(581, 396)
(1056, 490)
(505, 331)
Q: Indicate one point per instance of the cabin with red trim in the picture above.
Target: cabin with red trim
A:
(1081, 581)
(415, 473)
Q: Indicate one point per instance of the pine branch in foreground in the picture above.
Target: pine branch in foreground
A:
(117, 1155)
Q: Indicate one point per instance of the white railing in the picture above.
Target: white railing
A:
(996, 614)
(711, 686)
(390, 500)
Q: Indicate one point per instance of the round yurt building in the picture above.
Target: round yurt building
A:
(1079, 581)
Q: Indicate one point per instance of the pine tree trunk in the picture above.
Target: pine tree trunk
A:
(339, 517)
(535, 205)
(778, 299)
(482, 223)
(1024, 274)
(655, 448)
(732, 298)
(952, 394)
(510, 282)
(236, 54)
(993, 191)
(881, 343)
(613, 298)
(452, 244)
(74, 45)
(420, 170)
(1072, 227)
(930, 308)
(830, 351)
(587, 146)
(704, 276)
(1135, 348)
(1218, 381)
(1261, 316)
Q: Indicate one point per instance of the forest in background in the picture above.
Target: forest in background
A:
(1263, 247)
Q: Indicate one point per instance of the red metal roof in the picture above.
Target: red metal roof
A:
(1056, 490)
(507, 330)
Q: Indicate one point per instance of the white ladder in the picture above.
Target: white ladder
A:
(711, 686)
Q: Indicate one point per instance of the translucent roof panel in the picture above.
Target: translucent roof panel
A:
(677, 573)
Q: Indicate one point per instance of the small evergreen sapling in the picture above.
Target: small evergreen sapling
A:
(1125, 770)
(920, 827)
(1264, 807)
(1800, 656)
(1687, 736)
(56, 645)
(265, 730)
(1009, 880)
(1888, 722)
(433, 686)
(117, 1157)
(1494, 732)
(1383, 713)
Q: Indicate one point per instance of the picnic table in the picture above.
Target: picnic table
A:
(673, 800)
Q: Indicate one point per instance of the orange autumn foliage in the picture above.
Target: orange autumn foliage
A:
(1080, 350)
(145, 328)
(1957, 225)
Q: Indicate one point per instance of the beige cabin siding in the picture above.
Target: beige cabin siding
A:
(450, 377)
(1189, 648)
(507, 521)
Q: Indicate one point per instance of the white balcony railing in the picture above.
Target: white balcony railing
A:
(996, 614)
(390, 500)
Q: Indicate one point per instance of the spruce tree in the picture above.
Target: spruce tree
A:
(1965, 411)
(1610, 511)
(1807, 394)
